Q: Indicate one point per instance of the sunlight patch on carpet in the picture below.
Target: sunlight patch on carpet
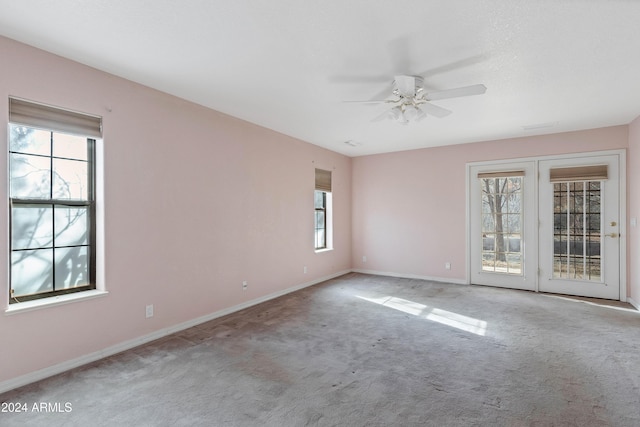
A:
(444, 317)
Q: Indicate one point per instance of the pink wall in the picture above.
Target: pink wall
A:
(633, 172)
(195, 203)
(409, 208)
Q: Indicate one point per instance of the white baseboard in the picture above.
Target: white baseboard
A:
(633, 303)
(411, 276)
(127, 345)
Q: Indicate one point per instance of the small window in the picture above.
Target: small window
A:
(52, 201)
(322, 203)
(321, 219)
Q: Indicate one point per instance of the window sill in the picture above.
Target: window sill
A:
(318, 251)
(22, 307)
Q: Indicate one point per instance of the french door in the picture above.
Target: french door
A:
(579, 214)
(549, 225)
(502, 225)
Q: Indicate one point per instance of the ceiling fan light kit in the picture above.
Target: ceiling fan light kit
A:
(406, 113)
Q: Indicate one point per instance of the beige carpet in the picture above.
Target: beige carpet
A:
(364, 350)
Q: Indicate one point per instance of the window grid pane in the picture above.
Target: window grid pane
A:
(32, 226)
(70, 179)
(29, 141)
(30, 176)
(31, 271)
(71, 267)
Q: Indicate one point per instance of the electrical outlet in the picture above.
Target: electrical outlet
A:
(304, 270)
(149, 311)
(364, 258)
(244, 285)
(447, 265)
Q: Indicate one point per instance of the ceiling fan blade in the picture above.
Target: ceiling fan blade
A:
(457, 92)
(406, 85)
(384, 93)
(381, 117)
(352, 79)
(381, 96)
(374, 101)
(445, 68)
(434, 110)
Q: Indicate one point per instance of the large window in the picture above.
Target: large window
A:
(52, 201)
(322, 198)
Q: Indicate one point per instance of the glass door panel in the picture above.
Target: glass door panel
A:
(501, 219)
(576, 230)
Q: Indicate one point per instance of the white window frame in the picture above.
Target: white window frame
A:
(323, 184)
(57, 120)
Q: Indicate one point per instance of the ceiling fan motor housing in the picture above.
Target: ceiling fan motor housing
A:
(407, 86)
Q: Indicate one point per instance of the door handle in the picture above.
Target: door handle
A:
(613, 235)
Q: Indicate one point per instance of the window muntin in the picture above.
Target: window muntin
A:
(52, 203)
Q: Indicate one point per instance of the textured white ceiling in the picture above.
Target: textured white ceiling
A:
(288, 65)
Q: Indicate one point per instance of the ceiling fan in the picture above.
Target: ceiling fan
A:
(411, 102)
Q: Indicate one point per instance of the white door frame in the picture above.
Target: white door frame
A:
(622, 154)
